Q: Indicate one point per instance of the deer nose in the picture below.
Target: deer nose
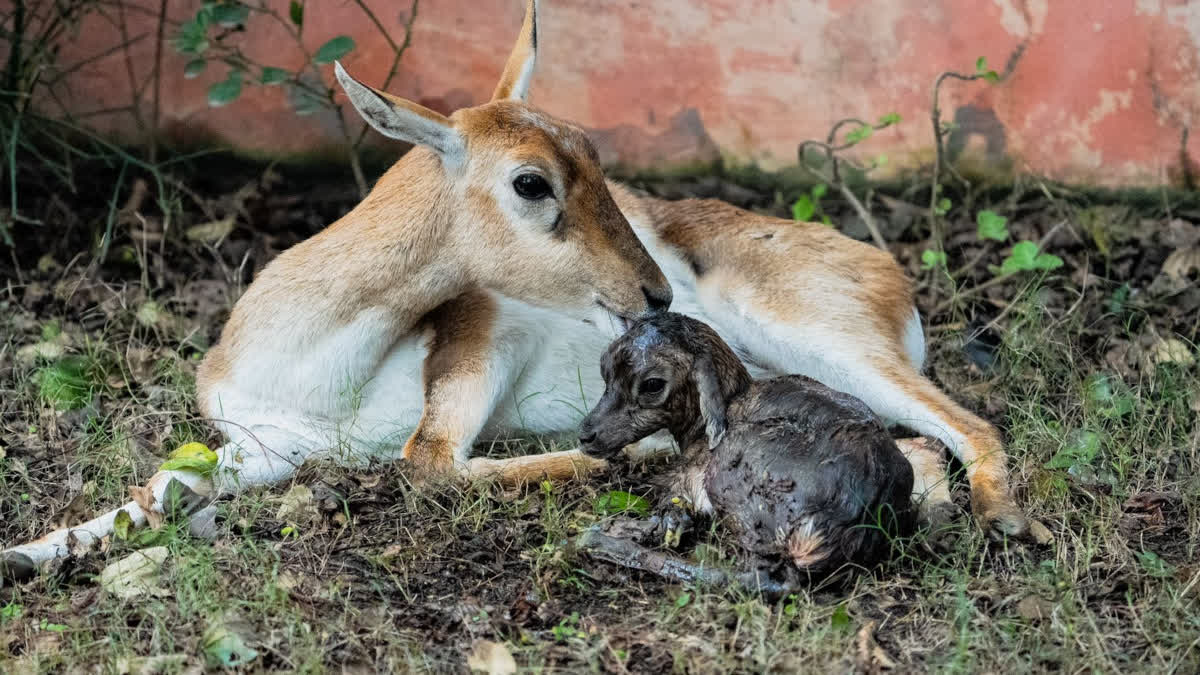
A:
(659, 299)
(587, 437)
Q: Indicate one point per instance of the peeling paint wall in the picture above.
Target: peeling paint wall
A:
(1099, 91)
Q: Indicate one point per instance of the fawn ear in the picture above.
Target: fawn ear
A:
(712, 401)
(402, 119)
(518, 72)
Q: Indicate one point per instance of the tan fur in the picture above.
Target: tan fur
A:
(422, 251)
(458, 355)
(761, 256)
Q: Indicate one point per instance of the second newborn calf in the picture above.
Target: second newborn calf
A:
(800, 473)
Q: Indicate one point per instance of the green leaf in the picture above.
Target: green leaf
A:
(943, 206)
(271, 75)
(54, 627)
(981, 65)
(296, 12)
(10, 611)
(230, 14)
(1154, 565)
(334, 49)
(991, 76)
(803, 209)
(223, 647)
(826, 221)
(819, 191)
(195, 457)
(1047, 261)
(860, 134)
(1081, 448)
(192, 38)
(226, 91)
(881, 160)
(619, 501)
(122, 524)
(840, 619)
(194, 68)
(683, 600)
(51, 330)
(65, 383)
(1021, 259)
(992, 226)
(932, 259)
(888, 120)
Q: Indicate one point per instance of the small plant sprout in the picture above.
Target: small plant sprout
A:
(992, 226)
(830, 172)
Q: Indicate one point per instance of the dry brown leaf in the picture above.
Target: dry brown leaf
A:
(1181, 263)
(210, 232)
(871, 657)
(1171, 350)
(144, 497)
(492, 658)
(1035, 608)
(297, 506)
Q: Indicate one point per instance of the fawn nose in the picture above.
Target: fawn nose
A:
(659, 299)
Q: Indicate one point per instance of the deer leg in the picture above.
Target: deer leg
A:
(931, 486)
(902, 395)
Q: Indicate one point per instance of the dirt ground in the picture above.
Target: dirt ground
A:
(1089, 369)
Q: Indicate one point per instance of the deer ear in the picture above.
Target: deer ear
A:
(401, 119)
(712, 401)
(518, 72)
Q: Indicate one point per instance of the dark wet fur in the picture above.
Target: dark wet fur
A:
(792, 449)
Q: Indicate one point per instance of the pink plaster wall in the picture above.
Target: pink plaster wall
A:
(1100, 91)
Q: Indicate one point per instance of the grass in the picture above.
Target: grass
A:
(375, 575)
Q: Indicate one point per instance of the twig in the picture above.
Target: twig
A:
(158, 52)
(397, 50)
(831, 154)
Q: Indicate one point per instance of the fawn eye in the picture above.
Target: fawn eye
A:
(652, 385)
(531, 186)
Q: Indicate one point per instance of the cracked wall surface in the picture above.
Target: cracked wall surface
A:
(1098, 91)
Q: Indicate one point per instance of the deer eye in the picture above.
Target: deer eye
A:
(652, 385)
(531, 186)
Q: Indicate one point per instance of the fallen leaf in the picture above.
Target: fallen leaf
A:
(871, 657)
(492, 658)
(45, 350)
(1035, 608)
(135, 574)
(224, 644)
(151, 665)
(1040, 533)
(195, 457)
(1172, 350)
(297, 506)
(1181, 264)
(144, 497)
(1148, 511)
(212, 231)
(122, 524)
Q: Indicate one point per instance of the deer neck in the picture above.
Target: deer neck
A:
(393, 252)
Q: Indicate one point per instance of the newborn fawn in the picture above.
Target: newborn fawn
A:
(799, 473)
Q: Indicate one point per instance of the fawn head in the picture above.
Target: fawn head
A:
(668, 371)
(523, 198)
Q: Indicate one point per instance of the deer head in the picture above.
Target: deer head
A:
(523, 204)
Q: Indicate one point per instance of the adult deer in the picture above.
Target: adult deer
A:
(473, 291)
